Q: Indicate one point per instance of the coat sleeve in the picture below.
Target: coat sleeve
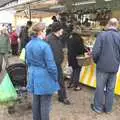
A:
(50, 63)
(9, 46)
(97, 48)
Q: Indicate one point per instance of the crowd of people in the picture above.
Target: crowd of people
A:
(44, 58)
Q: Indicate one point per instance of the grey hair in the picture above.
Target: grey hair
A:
(113, 22)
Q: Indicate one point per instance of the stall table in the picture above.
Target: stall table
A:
(88, 77)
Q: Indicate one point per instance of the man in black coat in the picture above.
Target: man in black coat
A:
(24, 36)
(75, 48)
(55, 43)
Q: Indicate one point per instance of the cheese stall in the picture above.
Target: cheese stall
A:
(98, 15)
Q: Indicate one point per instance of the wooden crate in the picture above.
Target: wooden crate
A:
(84, 61)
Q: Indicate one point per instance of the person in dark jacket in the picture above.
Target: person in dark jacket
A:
(24, 37)
(106, 55)
(49, 29)
(75, 48)
(55, 43)
(86, 23)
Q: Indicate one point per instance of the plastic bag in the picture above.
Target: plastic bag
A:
(22, 55)
(7, 90)
(67, 71)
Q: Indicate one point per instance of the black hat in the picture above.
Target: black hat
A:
(56, 26)
(54, 18)
(29, 23)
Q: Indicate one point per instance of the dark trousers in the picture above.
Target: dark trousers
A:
(14, 48)
(75, 77)
(41, 107)
(62, 91)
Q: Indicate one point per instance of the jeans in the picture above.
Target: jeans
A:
(62, 92)
(41, 107)
(104, 99)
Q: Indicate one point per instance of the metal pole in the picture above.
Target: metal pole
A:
(29, 12)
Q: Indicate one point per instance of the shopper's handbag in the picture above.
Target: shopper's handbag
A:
(7, 90)
(22, 55)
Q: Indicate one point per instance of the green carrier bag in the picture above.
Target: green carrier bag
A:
(7, 90)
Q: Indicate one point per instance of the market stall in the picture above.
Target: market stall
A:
(88, 72)
(88, 77)
(76, 12)
(97, 16)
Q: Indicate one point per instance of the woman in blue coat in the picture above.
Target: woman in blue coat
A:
(42, 73)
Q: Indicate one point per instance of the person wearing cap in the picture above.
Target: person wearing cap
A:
(56, 45)
(106, 55)
(42, 73)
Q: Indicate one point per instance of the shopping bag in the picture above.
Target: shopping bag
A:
(67, 71)
(22, 55)
(7, 90)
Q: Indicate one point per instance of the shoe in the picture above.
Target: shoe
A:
(65, 101)
(94, 109)
(107, 112)
(70, 86)
(77, 88)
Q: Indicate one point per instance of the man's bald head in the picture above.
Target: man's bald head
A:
(113, 22)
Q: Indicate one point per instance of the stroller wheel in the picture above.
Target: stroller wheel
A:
(11, 109)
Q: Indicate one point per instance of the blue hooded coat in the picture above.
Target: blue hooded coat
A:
(42, 70)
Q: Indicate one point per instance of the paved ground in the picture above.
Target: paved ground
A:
(78, 110)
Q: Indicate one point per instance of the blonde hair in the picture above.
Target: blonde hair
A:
(36, 28)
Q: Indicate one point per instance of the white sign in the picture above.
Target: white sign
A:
(23, 1)
(6, 16)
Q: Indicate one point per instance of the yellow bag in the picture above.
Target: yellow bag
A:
(22, 55)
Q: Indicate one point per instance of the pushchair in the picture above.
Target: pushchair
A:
(17, 74)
